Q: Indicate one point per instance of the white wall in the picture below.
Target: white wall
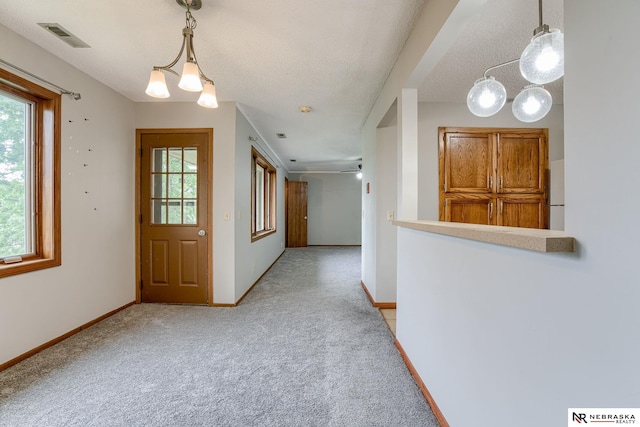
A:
(252, 259)
(334, 207)
(386, 201)
(369, 214)
(97, 273)
(432, 115)
(519, 337)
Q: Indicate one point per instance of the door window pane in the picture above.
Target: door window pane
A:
(159, 209)
(175, 159)
(175, 212)
(159, 160)
(190, 159)
(175, 186)
(190, 186)
(159, 185)
(190, 212)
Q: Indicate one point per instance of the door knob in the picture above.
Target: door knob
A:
(202, 233)
(305, 217)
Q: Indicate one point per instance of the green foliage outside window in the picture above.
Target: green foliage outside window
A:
(12, 177)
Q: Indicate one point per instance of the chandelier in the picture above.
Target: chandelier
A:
(192, 76)
(541, 62)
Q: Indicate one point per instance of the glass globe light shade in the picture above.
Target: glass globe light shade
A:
(157, 86)
(486, 97)
(531, 104)
(542, 61)
(208, 96)
(190, 79)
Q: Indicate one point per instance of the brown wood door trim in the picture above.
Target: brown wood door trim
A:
(138, 210)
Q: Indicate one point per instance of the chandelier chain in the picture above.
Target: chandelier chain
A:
(190, 20)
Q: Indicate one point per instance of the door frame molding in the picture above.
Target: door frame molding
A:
(138, 260)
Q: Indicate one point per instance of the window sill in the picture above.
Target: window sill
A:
(260, 235)
(524, 238)
(27, 266)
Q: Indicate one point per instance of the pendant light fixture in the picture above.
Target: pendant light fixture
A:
(531, 104)
(541, 62)
(192, 75)
(486, 97)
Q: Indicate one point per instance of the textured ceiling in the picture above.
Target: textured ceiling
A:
(273, 57)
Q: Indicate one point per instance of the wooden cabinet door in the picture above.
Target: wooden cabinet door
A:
(468, 162)
(528, 211)
(470, 210)
(494, 176)
(521, 162)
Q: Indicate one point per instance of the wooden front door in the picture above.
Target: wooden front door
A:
(296, 214)
(174, 215)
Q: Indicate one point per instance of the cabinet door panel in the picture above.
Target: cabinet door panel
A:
(468, 163)
(521, 163)
(526, 211)
(470, 211)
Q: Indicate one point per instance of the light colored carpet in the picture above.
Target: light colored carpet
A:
(305, 348)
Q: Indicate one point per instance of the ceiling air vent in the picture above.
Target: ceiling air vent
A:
(63, 34)
(281, 135)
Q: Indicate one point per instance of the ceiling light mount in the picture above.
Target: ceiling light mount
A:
(541, 62)
(305, 109)
(192, 76)
(193, 4)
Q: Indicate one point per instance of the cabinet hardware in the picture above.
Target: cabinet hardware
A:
(501, 182)
(490, 183)
(501, 208)
(490, 210)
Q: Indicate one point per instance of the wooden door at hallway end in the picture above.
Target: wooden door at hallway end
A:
(174, 175)
(296, 214)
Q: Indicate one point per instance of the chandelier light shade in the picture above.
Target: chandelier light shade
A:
(542, 61)
(532, 104)
(192, 76)
(486, 97)
(157, 86)
(190, 79)
(208, 96)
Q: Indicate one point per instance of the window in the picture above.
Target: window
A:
(263, 196)
(29, 176)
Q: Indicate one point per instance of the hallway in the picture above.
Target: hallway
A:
(305, 347)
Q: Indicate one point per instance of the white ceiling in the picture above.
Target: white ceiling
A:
(274, 56)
